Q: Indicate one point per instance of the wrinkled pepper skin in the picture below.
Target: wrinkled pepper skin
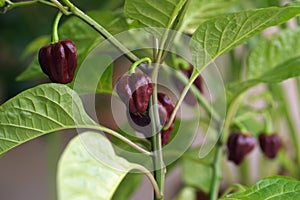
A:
(239, 145)
(59, 61)
(142, 122)
(135, 91)
(270, 144)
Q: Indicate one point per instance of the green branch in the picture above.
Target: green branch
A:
(101, 30)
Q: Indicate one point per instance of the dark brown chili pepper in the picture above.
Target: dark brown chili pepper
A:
(59, 61)
(270, 144)
(239, 145)
(135, 91)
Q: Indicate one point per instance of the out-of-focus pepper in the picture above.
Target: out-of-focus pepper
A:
(59, 61)
(270, 144)
(168, 104)
(239, 145)
(135, 91)
(189, 98)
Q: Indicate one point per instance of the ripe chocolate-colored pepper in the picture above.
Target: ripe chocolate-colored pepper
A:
(59, 61)
(168, 104)
(135, 91)
(239, 145)
(270, 144)
(141, 122)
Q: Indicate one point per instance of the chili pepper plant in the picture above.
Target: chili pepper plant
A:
(184, 79)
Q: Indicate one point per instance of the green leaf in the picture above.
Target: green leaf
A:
(128, 186)
(2, 3)
(221, 34)
(155, 13)
(34, 70)
(35, 45)
(94, 76)
(38, 111)
(202, 10)
(105, 84)
(275, 188)
(187, 193)
(273, 51)
(284, 71)
(279, 73)
(197, 172)
(90, 169)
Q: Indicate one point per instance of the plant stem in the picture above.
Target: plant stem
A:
(55, 37)
(124, 139)
(137, 63)
(159, 168)
(209, 109)
(181, 98)
(12, 5)
(151, 179)
(158, 163)
(215, 184)
(60, 7)
(244, 172)
(80, 14)
(288, 117)
(298, 87)
(214, 189)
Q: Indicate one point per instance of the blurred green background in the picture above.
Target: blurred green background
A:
(28, 171)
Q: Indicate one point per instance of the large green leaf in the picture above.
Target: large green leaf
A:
(273, 188)
(90, 169)
(284, 71)
(202, 10)
(157, 14)
(273, 51)
(38, 111)
(221, 34)
(154, 13)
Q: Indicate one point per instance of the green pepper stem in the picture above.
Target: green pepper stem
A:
(268, 122)
(181, 98)
(157, 158)
(60, 7)
(11, 5)
(137, 63)
(124, 139)
(55, 37)
(151, 179)
(214, 188)
(101, 30)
